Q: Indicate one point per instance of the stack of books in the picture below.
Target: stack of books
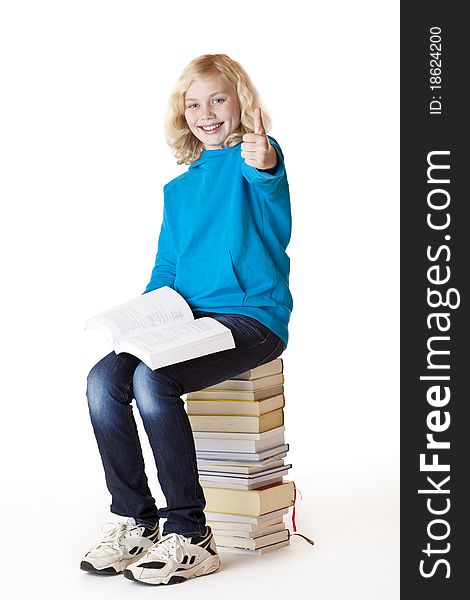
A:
(238, 429)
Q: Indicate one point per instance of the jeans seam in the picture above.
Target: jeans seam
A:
(269, 335)
(274, 351)
(135, 435)
(189, 454)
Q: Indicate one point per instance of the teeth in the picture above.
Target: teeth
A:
(211, 127)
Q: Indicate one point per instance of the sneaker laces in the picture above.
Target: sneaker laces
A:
(115, 532)
(172, 545)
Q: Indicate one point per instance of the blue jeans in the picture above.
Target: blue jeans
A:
(117, 379)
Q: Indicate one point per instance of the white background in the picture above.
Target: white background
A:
(83, 162)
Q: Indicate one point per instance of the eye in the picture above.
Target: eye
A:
(190, 105)
(221, 99)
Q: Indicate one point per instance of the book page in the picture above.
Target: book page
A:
(155, 309)
(178, 334)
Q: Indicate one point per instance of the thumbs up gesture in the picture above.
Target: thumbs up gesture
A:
(256, 149)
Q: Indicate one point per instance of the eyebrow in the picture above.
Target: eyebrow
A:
(210, 96)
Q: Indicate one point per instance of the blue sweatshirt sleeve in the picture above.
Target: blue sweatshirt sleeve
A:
(164, 270)
(270, 178)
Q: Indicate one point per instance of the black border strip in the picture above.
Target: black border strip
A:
(434, 269)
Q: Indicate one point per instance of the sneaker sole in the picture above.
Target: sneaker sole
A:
(208, 566)
(115, 569)
(87, 566)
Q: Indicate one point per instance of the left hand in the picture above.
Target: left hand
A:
(256, 149)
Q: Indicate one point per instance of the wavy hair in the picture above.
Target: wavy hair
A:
(184, 144)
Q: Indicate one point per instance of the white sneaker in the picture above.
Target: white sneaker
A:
(176, 558)
(123, 544)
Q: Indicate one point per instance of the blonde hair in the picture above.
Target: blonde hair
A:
(184, 144)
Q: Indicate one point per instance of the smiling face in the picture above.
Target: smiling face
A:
(212, 110)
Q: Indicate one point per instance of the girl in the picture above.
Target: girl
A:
(226, 225)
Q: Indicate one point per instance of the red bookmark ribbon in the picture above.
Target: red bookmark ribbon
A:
(293, 517)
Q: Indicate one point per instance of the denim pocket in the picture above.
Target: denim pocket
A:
(275, 353)
(253, 330)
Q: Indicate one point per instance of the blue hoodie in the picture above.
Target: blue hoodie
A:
(222, 245)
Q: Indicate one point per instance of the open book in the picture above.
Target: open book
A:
(159, 328)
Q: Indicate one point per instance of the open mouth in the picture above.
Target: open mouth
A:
(211, 128)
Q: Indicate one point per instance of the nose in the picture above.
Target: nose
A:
(207, 111)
